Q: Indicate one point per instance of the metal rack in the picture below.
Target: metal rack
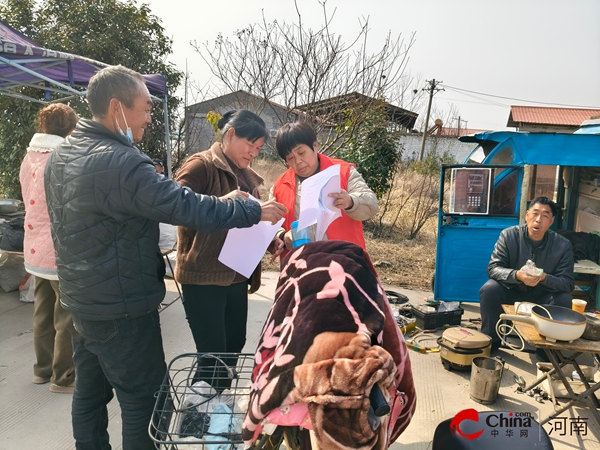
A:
(202, 401)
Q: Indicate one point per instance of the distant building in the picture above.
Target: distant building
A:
(549, 120)
(439, 130)
(438, 144)
(441, 141)
(200, 135)
(332, 109)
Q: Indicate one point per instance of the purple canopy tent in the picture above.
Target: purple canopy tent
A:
(24, 63)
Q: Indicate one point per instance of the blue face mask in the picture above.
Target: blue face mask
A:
(128, 135)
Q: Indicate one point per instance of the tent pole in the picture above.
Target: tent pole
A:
(167, 135)
(38, 75)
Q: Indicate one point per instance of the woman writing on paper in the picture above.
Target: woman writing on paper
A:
(297, 144)
(215, 297)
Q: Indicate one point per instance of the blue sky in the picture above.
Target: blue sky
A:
(528, 50)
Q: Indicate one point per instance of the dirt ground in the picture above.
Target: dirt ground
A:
(402, 262)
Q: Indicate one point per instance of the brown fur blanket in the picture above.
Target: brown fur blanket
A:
(329, 337)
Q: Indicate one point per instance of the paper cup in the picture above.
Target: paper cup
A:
(578, 305)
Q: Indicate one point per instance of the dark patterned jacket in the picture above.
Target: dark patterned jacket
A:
(105, 201)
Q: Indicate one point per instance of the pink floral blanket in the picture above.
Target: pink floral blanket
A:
(329, 337)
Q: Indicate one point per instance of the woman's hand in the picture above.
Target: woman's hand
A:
(275, 247)
(234, 194)
(343, 200)
(287, 240)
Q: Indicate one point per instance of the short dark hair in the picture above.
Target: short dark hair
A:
(57, 119)
(292, 134)
(545, 201)
(246, 125)
(113, 82)
(158, 162)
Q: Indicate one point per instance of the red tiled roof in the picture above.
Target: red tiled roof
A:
(549, 116)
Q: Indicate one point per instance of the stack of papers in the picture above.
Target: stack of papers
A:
(244, 247)
(315, 204)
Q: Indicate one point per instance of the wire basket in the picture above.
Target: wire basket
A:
(202, 402)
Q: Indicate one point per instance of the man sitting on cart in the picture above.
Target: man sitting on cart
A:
(508, 281)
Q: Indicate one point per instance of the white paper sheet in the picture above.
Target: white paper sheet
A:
(315, 204)
(244, 247)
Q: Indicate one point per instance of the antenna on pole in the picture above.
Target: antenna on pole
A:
(432, 89)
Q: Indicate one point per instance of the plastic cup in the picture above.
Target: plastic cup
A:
(299, 237)
(578, 305)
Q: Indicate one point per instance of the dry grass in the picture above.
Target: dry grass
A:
(412, 260)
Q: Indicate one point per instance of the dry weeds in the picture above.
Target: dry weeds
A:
(412, 260)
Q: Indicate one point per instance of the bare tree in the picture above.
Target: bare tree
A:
(185, 135)
(446, 116)
(409, 204)
(315, 73)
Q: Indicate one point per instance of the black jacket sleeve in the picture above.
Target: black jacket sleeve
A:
(499, 267)
(561, 279)
(142, 192)
(512, 251)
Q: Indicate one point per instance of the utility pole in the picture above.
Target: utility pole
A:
(459, 120)
(432, 89)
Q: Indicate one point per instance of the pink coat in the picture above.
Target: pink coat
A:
(38, 247)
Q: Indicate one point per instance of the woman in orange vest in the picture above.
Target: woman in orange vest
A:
(297, 144)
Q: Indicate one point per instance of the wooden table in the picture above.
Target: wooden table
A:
(555, 350)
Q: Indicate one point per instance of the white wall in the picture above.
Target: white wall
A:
(439, 144)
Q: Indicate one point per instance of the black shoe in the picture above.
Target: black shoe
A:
(541, 355)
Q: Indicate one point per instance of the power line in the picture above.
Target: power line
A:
(518, 99)
(483, 102)
(489, 102)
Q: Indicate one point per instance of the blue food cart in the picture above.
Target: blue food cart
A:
(492, 189)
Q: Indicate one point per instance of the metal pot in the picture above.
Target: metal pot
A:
(553, 322)
(8, 205)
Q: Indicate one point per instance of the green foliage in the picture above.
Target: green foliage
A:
(412, 198)
(432, 163)
(213, 119)
(16, 130)
(110, 31)
(373, 147)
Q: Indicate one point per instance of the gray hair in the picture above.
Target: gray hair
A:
(113, 82)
